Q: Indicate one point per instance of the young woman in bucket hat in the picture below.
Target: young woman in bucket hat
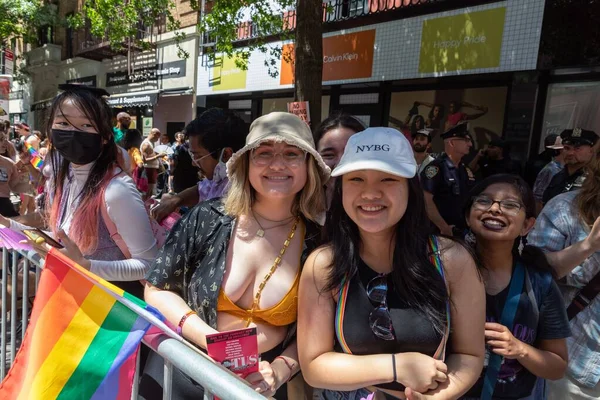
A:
(235, 262)
(378, 305)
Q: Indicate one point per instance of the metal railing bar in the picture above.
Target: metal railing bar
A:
(13, 305)
(3, 320)
(167, 380)
(214, 378)
(25, 318)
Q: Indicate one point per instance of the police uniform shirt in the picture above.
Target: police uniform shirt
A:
(450, 186)
(563, 182)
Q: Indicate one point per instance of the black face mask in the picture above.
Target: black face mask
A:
(78, 147)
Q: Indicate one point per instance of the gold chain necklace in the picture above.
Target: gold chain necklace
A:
(276, 264)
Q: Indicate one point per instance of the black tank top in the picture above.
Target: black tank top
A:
(414, 331)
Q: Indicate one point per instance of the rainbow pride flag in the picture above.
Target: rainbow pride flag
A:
(35, 160)
(82, 340)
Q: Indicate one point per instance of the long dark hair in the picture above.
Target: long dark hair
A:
(84, 228)
(413, 125)
(530, 255)
(415, 277)
(440, 116)
(133, 138)
(337, 120)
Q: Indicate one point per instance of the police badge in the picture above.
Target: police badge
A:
(576, 132)
(431, 171)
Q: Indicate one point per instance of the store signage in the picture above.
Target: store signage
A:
(86, 80)
(133, 100)
(462, 42)
(300, 109)
(348, 56)
(9, 61)
(175, 69)
(5, 83)
(225, 75)
(42, 105)
(147, 125)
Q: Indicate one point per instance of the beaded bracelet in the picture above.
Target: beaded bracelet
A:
(182, 321)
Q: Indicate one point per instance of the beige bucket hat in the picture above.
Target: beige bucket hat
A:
(280, 127)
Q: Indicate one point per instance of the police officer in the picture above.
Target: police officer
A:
(447, 181)
(580, 146)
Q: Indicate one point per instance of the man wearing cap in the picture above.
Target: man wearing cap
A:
(535, 165)
(447, 181)
(580, 146)
(24, 133)
(494, 160)
(421, 143)
(547, 173)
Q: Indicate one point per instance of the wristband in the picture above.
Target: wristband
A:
(287, 365)
(394, 367)
(182, 321)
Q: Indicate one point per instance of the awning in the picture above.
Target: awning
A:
(41, 105)
(183, 91)
(135, 99)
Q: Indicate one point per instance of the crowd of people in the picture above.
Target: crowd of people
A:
(370, 268)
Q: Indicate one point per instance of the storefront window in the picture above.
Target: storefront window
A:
(482, 108)
(571, 105)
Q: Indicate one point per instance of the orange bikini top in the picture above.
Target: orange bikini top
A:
(283, 313)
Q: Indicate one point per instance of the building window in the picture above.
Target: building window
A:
(571, 105)
(440, 109)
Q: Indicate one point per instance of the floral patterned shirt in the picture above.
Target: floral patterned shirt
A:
(192, 261)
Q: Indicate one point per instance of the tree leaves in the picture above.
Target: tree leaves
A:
(257, 21)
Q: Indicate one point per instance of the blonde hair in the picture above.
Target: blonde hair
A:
(588, 199)
(310, 201)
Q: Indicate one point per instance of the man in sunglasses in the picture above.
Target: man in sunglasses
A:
(580, 146)
(447, 181)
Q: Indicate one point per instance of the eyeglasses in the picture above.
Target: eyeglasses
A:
(262, 157)
(197, 160)
(510, 207)
(380, 319)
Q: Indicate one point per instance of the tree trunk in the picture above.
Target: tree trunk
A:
(309, 56)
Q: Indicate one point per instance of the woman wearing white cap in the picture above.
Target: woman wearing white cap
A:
(236, 263)
(376, 305)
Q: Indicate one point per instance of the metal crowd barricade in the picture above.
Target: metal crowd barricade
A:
(216, 380)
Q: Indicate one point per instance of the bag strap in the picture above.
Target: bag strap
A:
(112, 228)
(507, 319)
(585, 297)
(339, 315)
(435, 258)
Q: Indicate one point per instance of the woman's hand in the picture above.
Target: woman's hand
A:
(72, 251)
(167, 205)
(503, 342)
(268, 379)
(420, 372)
(593, 239)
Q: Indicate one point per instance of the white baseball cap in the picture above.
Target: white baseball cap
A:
(381, 149)
(557, 145)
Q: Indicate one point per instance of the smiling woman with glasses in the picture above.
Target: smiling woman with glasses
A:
(385, 306)
(526, 319)
(235, 262)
